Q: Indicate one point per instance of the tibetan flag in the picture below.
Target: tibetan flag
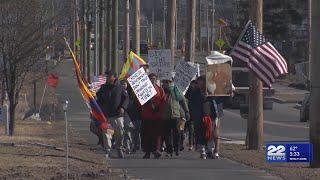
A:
(132, 64)
(96, 112)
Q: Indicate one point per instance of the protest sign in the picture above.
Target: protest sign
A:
(142, 86)
(160, 63)
(219, 79)
(185, 72)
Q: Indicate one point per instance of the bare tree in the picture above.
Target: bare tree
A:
(25, 33)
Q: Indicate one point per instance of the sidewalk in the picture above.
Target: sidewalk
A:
(285, 94)
(187, 166)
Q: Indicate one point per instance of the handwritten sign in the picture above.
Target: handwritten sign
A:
(142, 86)
(185, 72)
(160, 63)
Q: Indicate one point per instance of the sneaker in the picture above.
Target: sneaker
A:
(190, 148)
(215, 156)
(120, 154)
(169, 155)
(146, 156)
(203, 156)
(157, 154)
(107, 155)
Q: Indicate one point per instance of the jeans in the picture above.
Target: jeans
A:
(118, 126)
(190, 129)
(172, 135)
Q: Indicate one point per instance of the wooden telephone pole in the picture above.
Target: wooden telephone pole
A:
(172, 35)
(191, 34)
(127, 30)
(255, 121)
(115, 34)
(137, 27)
(315, 83)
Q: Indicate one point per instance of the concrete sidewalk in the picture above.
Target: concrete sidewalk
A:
(187, 166)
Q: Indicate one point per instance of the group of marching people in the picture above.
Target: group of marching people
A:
(160, 126)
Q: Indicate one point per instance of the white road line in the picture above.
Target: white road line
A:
(272, 122)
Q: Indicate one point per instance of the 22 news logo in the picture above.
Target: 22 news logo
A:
(276, 153)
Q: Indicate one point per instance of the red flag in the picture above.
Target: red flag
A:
(52, 80)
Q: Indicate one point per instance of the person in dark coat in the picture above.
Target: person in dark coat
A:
(192, 103)
(151, 122)
(196, 98)
(113, 100)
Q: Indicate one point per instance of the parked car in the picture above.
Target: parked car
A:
(304, 109)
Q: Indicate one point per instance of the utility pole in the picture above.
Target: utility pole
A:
(152, 26)
(109, 34)
(212, 26)
(199, 21)
(255, 121)
(208, 26)
(87, 39)
(127, 30)
(137, 27)
(96, 39)
(75, 26)
(191, 33)
(172, 35)
(115, 56)
(101, 11)
(164, 25)
(315, 84)
(84, 27)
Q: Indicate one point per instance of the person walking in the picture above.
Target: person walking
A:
(113, 101)
(193, 106)
(151, 124)
(210, 123)
(135, 116)
(128, 125)
(176, 111)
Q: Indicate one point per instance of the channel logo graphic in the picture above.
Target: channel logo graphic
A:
(288, 152)
(276, 153)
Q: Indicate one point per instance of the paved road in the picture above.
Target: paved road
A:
(280, 124)
(188, 166)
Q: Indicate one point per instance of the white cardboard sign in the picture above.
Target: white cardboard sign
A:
(185, 72)
(160, 63)
(142, 86)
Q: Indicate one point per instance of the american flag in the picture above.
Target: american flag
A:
(97, 82)
(259, 55)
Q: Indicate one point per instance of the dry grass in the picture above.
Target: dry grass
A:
(25, 160)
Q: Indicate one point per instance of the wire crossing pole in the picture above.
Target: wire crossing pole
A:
(315, 83)
(255, 121)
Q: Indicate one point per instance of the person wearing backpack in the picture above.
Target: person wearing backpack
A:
(208, 132)
(176, 112)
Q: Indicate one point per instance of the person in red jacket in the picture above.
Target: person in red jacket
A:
(151, 124)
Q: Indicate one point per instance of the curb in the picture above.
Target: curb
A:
(281, 101)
